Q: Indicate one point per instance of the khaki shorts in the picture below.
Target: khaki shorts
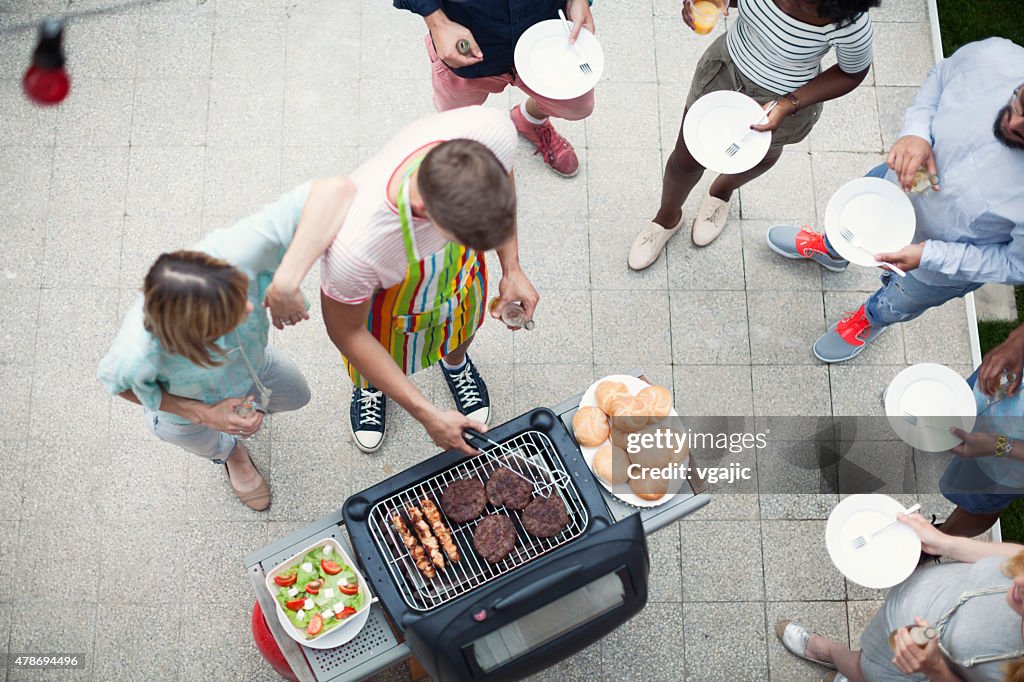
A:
(716, 71)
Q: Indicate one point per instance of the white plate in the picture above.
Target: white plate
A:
(344, 632)
(877, 212)
(718, 119)
(635, 385)
(548, 64)
(888, 559)
(938, 397)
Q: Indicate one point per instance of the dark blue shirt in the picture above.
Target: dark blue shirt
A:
(496, 25)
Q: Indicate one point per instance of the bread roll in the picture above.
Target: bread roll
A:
(657, 401)
(606, 392)
(620, 438)
(653, 456)
(647, 487)
(590, 426)
(611, 464)
(628, 413)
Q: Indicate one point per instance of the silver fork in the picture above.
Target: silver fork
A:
(913, 419)
(580, 57)
(735, 146)
(862, 540)
(855, 242)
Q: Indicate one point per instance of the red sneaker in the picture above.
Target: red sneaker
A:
(556, 151)
(847, 338)
(855, 328)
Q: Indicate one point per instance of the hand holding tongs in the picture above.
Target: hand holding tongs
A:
(556, 478)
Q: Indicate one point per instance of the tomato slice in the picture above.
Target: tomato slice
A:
(345, 613)
(295, 604)
(348, 588)
(315, 625)
(330, 568)
(286, 580)
(313, 587)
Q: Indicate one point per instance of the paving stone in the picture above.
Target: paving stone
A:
(784, 326)
(892, 106)
(713, 390)
(797, 479)
(89, 180)
(859, 614)
(610, 239)
(562, 334)
(38, 541)
(796, 563)
(208, 494)
(624, 106)
(21, 123)
(161, 545)
(827, 618)
(548, 384)
(319, 45)
(707, 547)
(398, 35)
(114, 46)
(540, 193)
(850, 124)
(248, 46)
(725, 641)
(718, 266)
(156, 487)
(289, 480)
(665, 579)
(175, 45)
(170, 111)
(927, 339)
(678, 49)
(886, 350)
(649, 657)
(608, 195)
(631, 329)
(216, 652)
(929, 468)
(25, 179)
(316, 113)
(381, 116)
(57, 628)
(791, 391)
(144, 239)
(709, 327)
(16, 383)
(98, 112)
(784, 193)
(299, 164)
(620, 35)
(21, 262)
(903, 53)
(910, 10)
(165, 181)
(543, 246)
(239, 180)
(885, 467)
(8, 566)
(125, 651)
(215, 550)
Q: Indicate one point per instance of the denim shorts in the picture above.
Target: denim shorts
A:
(966, 485)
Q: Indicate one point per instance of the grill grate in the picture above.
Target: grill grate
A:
(537, 456)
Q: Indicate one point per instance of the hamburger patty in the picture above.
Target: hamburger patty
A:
(494, 538)
(464, 500)
(545, 517)
(507, 488)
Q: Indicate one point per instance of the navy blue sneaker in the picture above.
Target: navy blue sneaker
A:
(367, 417)
(469, 391)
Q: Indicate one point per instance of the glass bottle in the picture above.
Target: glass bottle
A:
(513, 314)
(923, 182)
(920, 635)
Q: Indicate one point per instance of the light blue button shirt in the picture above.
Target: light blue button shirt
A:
(137, 361)
(973, 228)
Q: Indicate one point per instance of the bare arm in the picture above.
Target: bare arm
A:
(322, 216)
(514, 285)
(219, 417)
(828, 84)
(967, 550)
(346, 326)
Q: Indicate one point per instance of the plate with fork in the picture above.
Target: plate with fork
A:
(923, 401)
(868, 216)
(866, 546)
(717, 132)
(553, 67)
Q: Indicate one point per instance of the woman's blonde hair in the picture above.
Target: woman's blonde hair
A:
(1013, 671)
(191, 300)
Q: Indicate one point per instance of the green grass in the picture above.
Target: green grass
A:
(961, 23)
(964, 22)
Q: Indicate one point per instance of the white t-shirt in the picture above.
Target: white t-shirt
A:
(369, 254)
(782, 54)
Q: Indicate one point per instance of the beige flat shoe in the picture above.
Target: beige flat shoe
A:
(257, 499)
(795, 637)
(648, 245)
(710, 221)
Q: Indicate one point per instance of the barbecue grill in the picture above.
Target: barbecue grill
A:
(549, 598)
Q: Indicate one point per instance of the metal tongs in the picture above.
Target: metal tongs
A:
(557, 479)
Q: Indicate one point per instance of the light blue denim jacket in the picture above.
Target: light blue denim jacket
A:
(136, 359)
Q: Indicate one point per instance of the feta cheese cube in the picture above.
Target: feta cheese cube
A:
(292, 592)
(327, 614)
(308, 604)
(328, 549)
(329, 593)
(339, 607)
(307, 567)
(301, 614)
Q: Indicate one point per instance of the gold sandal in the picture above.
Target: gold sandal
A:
(257, 499)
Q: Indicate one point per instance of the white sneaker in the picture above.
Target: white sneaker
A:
(710, 221)
(648, 245)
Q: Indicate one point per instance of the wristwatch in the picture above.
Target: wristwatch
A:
(793, 99)
(1004, 445)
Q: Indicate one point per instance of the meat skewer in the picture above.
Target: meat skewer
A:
(419, 556)
(427, 538)
(433, 515)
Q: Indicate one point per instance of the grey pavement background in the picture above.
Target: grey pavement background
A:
(186, 115)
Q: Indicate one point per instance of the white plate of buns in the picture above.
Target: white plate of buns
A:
(611, 409)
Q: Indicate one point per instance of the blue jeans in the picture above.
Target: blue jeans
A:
(289, 391)
(902, 299)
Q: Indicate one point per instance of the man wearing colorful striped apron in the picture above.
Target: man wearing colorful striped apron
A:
(404, 285)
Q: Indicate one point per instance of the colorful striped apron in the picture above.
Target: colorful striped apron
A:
(438, 306)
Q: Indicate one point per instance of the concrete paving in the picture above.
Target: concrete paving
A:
(187, 114)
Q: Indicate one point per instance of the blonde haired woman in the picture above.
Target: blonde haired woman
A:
(975, 603)
(193, 351)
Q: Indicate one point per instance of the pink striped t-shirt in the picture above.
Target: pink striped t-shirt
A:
(368, 254)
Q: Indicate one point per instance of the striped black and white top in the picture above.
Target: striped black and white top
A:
(781, 54)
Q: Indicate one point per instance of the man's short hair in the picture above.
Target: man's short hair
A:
(467, 192)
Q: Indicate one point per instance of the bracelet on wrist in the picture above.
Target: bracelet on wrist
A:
(792, 99)
(1004, 445)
